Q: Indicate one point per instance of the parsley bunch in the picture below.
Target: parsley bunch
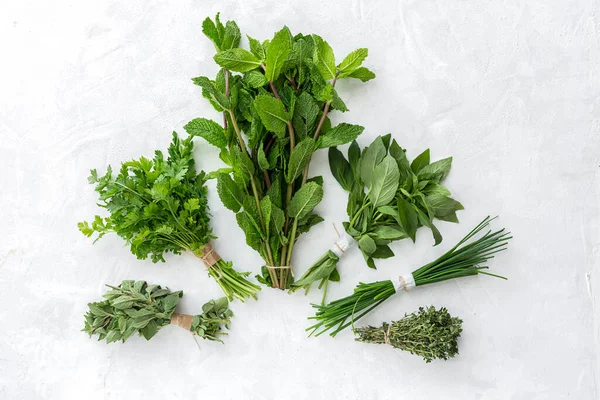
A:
(466, 258)
(389, 199)
(275, 116)
(429, 333)
(160, 206)
(135, 306)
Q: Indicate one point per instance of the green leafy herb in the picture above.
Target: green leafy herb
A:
(159, 206)
(275, 99)
(389, 199)
(467, 258)
(429, 333)
(136, 307)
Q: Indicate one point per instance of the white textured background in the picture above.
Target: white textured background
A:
(510, 89)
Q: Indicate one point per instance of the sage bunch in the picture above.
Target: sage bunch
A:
(429, 333)
(136, 307)
(389, 198)
(466, 258)
(275, 99)
(159, 206)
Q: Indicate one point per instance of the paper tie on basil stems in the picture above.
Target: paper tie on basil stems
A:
(465, 259)
(135, 306)
(389, 199)
(275, 116)
(160, 206)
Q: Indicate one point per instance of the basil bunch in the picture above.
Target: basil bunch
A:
(275, 115)
(389, 199)
(136, 307)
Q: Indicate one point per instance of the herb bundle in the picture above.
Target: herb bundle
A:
(389, 199)
(160, 206)
(429, 333)
(135, 306)
(275, 116)
(467, 258)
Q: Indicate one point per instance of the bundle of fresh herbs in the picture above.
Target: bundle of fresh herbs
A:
(465, 259)
(275, 116)
(429, 333)
(135, 306)
(160, 206)
(389, 199)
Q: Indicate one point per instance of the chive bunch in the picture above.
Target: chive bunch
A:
(465, 259)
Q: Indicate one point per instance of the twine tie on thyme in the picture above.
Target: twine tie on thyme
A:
(386, 335)
(182, 320)
(407, 282)
(343, 243)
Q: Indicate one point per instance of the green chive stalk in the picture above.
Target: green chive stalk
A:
(465, 259)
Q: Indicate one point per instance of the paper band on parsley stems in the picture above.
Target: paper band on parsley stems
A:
(136, 307)
(160, 206)
(465, 259)
(389, 199)
(275, 109)
(429, 333)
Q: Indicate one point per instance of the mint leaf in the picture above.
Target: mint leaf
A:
(299, 158)
(277, 52)
(255, 79)
(324, 58)
(352, 62)
(238, 60)
(272, 114)
(210, 31)
(207, 129)
(230, 193)
(231, 36)
(362, 73)
(305, 200)
(256, 48)
(341, 134)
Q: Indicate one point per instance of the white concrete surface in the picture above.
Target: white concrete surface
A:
(510, 89)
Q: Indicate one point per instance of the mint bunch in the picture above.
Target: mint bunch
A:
(275, 99)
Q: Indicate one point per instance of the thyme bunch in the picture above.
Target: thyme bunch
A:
(428, 333)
